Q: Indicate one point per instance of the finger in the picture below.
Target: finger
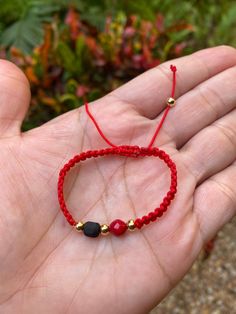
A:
(215, 202)
(148, 92)
(213, 149)
(14, 98)
(201, 106)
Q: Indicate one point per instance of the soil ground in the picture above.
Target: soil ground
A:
(210, 286)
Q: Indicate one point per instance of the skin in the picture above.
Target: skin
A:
(45, 265)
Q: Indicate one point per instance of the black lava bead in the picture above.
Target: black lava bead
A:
(92, 229)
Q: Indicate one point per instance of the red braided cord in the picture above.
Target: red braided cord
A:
(129, 151)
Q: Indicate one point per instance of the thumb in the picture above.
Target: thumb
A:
(14, 98)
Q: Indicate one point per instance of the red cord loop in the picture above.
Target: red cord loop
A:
(173, 69)
(97, 126)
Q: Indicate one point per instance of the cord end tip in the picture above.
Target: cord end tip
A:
(173, 68)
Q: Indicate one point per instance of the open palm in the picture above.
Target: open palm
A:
(45, 265)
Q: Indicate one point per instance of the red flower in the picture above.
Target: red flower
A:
(82, 90)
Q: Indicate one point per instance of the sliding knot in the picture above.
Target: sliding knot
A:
(129, 151)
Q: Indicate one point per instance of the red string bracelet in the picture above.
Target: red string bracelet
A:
(118, 226)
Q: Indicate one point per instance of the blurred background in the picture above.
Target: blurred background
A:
(76, 50)
(72, 50)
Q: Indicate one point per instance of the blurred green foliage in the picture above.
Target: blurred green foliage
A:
(76, 50)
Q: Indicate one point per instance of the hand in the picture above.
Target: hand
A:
(45, 265)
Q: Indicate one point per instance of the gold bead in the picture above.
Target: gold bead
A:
(104, 229)
(79, 226)
(131, 225)
(171, 102)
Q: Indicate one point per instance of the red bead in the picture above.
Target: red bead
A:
(118, 227)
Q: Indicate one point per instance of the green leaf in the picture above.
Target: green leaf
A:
(23, 34)
(81, 53)
(226, 28)
(11, 10)
(67, 57)
(95, 16)
(27, 31)
(70, 100)
(180, 35)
